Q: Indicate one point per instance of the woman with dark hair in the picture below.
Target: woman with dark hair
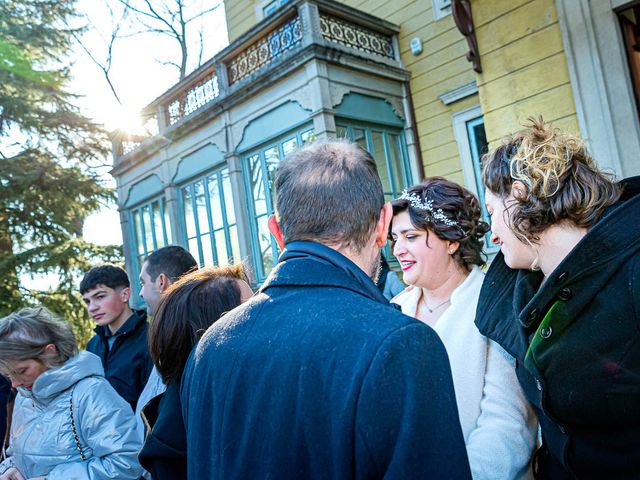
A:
(437, 235)
(563, 297)
(68, 421)
(188, 308)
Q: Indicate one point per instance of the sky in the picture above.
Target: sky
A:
(138, 76)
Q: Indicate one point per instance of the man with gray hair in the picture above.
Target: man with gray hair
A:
(318, 376)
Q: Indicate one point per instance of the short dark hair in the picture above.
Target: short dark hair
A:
(109, 275)
(329, 192)
(174, 261)
(459, 205)
(190, 306)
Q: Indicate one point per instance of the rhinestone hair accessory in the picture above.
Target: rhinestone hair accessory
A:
(437, 215)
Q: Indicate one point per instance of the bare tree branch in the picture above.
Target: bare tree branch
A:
(173, 19)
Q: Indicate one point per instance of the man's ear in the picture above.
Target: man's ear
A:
(162, 282)
(382, 227)
(125, 293)
(274, 228)
(518, 190)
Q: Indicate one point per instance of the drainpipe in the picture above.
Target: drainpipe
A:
(414, 129)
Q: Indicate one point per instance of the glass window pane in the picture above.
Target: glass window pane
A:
(257, 186)
(189, 219)
(228, 197)
(221, 248)
(308, 136)
(381, 160)
(201, 207)
(289, 146)
(399, 174)
(207, 251)
(214, 199)
(193, 249)
(235, 245)
(272, 158)
(270, 8)
(138, 231)
(359, 137)
(167, 222)
(157, 224)
(264, 239)
(146, 222)
(342, 132)
(481, 144)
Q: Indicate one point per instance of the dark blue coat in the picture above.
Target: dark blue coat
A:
(127, 365)
(319, 377)
(576, 342)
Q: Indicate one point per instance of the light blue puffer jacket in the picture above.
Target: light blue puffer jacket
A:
(42, 441)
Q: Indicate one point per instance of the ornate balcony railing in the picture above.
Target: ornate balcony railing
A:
(193, 98)
(265, 50)
(302, 24)
(350, 35)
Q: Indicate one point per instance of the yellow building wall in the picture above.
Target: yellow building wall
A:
(524, 67)
(241, 16)
(441, 67)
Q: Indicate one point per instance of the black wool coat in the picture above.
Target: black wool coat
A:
(576, 341)
(164, 453)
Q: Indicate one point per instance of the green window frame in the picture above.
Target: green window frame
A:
(388, 148)
(259, 173)
(209, 219)
(149, 230)
(478, 146)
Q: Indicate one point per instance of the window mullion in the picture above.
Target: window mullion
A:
(207, 199)
(152, 226)
(225, 221)
(194, 206)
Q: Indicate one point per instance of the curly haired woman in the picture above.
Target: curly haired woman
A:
(437, 235)
(563, 297)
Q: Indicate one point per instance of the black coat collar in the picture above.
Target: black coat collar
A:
(137, 318)
(515, 294)
(314, 264)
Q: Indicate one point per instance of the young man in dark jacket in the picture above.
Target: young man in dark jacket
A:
(121, 333)
(318, 376)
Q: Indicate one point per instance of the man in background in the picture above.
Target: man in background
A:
(159, 271)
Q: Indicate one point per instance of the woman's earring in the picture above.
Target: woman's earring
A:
(450, 252)
(535, 264)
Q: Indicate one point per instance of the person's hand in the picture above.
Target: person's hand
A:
(12, 474)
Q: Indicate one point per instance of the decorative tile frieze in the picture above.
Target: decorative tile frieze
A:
(265, 50)
(193, 99)
(356, 36)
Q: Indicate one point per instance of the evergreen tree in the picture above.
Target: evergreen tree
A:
(49, 154)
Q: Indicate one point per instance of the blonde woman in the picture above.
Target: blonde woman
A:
(563, 297)
(437, 237)
(68, 421)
